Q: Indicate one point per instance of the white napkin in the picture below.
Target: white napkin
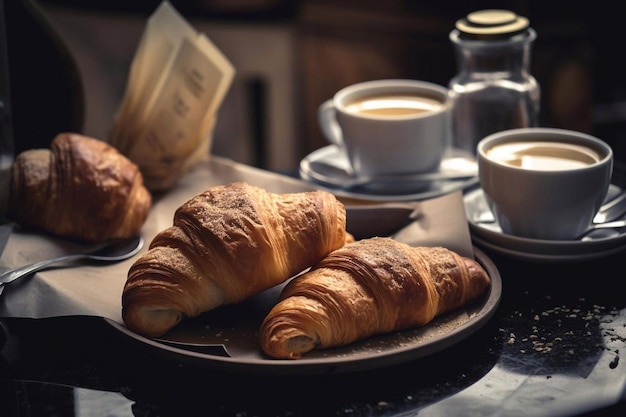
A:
(95, 290)
(177, 82)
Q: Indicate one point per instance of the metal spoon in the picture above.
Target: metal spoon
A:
(615, 225)
(117, 250)
(612, 210)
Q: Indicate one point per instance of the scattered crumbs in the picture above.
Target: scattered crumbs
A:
(614, 362)
(557, 327)
(548, 376)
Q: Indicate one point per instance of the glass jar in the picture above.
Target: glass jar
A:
(493, 90)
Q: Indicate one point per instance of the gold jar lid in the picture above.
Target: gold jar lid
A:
(492, 23)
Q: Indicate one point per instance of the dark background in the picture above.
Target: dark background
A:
(576, 57)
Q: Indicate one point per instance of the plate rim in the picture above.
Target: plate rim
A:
(327, 366)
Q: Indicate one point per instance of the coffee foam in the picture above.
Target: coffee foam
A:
(543, 156)
(393, 105)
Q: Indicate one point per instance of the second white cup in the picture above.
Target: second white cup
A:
(389, 127)
(544, 183)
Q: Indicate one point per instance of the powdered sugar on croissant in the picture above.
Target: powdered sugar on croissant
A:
(368, 287)
(227, 244)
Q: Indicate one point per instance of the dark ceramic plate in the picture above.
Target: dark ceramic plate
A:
(232, 330)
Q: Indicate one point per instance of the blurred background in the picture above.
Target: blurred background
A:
(69, 60)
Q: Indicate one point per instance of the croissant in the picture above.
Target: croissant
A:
(372, 286)
(225, 245)
(80, 188)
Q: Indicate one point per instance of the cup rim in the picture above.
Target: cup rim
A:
(438, 91)
(547, 134)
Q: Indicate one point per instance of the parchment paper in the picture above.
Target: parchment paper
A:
(95, 289)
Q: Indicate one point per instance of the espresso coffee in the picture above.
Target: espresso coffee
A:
(543, 156)
(393, 105)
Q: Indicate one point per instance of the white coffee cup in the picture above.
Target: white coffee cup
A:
(544, 183)
(389, 127)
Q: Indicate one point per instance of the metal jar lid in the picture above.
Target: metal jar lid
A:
(491, 23)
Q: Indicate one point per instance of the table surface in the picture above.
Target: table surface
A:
(552, 348)
(555, 323)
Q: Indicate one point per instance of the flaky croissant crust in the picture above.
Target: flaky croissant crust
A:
(226, 244)
(365, 288)
(80, 188)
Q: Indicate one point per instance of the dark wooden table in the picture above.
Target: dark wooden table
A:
(555, 322)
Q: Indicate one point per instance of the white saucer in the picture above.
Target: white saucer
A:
(331, 155)
(597, 244)
(548, 257)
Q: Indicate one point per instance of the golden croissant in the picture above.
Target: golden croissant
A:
(369, 287)
(80, 188)
(225, 245)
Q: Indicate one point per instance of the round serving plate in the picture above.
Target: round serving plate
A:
(226, 338)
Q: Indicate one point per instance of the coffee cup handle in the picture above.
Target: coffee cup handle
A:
(327, 119)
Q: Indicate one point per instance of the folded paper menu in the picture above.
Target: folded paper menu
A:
(96, 289)
(177, 82)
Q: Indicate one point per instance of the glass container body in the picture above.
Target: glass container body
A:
(493, 90)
